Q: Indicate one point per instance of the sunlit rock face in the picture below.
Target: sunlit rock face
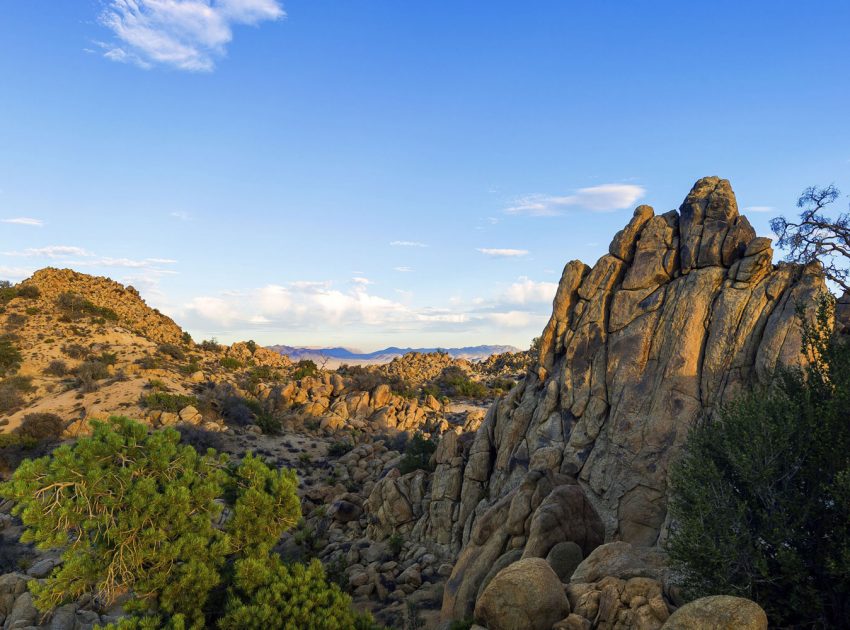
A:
(685, 311)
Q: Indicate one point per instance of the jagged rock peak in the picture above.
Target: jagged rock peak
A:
(684, 312)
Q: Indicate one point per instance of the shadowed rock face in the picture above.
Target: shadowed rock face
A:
(684, 311)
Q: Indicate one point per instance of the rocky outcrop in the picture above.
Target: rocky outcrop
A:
(105, 293)
(720, 612)
(684, 312)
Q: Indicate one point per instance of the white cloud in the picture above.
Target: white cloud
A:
(15, 273)
(503, 253)
(526, 291)
(407, 244)
(602, 198)
(185, 34)
(361, 281)
(403, 269)
(180, 214)
(24, 221)
(51, 251)
(749, 209)
(512, 319)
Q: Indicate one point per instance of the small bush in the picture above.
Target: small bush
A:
(338, 449)
(304, 368)
(230, 363)
(200, 439)
(10, 398)
(186, 338)
(75, 351)
(157, 385)
(251, 345)
(41, 426)
(210, 345)
(88, 373)
(455, 382)
(172, 350)
(266, 593)
(7, 292)
(29, 292)
(10, 357)
(148, 362)
(15, 320)
(74, 307)
(162, 401)
(108, 358)
(57, 367)
(417, 454)
(396, 544)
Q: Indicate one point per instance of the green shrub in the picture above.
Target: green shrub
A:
(10, 398)
(230, 363)
(186, 338)
(760, 500)
(10, 357)
(172, 350)
(75, 351)
(88, 373)
(396, 544)
(56, 367)
(32, 310)
(29, 292)
(136, 513)
(455, 382)
(163, 401)
(304, 368)
(147, 362)
(7, 292)
(251, 345)
(41, 426)
(338, 449)
(210, 345)
(417, 454)
(269, 594)
(74, 307)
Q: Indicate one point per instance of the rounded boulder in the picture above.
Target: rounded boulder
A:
(525, 595)
(718, 612)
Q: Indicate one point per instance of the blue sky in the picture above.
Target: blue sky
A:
(387, 173)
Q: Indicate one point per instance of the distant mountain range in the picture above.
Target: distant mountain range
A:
(338, 356)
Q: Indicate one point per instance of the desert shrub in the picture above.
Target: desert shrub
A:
(88, 373)
(136, 513)
(338, 449)
(464, 624)
(41, 426)
(108, 358)
(186, 338)
(15, 448)
(210, 345)
(396, 544)
(270, 594)
(417, 454)
(15, 320)
(455, 382)
(75, 306)
(147, 362)
(29, 292)
(32, 310)
(230, 363)
(10, 398)
(199, 438)
(57, 367)
(8, 292)
(163, 401)
(190, 368)
(172, 350)
(362, 378)
(75, 351)
(251, 345)
(260, 373)
(761, 496)
(157, 385)
(10, 357)
(304, 368)
(502, 384)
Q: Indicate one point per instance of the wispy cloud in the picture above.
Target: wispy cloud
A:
(361, 281)
(403, 269)
(407, 244)
(527, 291)
(503, 253)
(184, 34)
(602, 198)
(180, 214)
(24, 221)
(50, 251)
(749, 209)
(15, 273)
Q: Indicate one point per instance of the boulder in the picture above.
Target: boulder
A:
(526, 595)
(621, 560)
(564, 558)
(718, 612)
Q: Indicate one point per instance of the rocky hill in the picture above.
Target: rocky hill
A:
(685, 310)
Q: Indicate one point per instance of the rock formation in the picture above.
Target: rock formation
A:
(684, 312)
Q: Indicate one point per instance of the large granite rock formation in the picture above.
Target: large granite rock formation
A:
(684, 311)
